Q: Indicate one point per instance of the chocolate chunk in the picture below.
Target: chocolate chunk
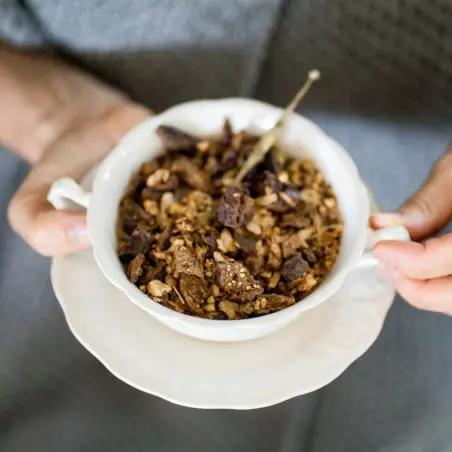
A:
(247, 242)
(140, 241)
(226, 133)
(175, 140)
(191, 174)
(135, 269)
(294, 267)
(310, 256)
(211, 239)
(271, 162)
(236, 281)
(163, 242)
(149, 273)
(236, 208)
(194, 292)
(185, 262)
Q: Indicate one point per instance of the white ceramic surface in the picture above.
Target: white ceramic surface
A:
(306, 355)
(203, 118)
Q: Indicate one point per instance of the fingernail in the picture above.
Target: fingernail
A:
(78, 235)
(383, 220)
(388, 273)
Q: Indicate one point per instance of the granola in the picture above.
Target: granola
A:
(195, 242)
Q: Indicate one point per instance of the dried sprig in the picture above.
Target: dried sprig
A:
(269, 138)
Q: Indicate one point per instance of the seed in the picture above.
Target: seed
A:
(215, 290)
(211, 300)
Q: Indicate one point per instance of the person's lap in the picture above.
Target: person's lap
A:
(55, 396)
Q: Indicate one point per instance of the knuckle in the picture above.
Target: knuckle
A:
(14, 213)
(33, 231)
(411, 294)
(421, 204)
(444, 164)
(37, 239)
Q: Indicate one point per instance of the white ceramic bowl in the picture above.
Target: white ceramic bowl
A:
(204, 118)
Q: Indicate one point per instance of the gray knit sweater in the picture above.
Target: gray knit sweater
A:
(386, 92)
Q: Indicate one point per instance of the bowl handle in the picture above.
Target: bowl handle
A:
(399, 233)
(65, 192)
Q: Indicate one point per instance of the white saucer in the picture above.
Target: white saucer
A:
(136, 348)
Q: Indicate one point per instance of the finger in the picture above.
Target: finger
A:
(431, 295)
(416, 260)
(430, 208)
(48, 231)
(52, 232)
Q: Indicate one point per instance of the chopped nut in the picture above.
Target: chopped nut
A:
(329, 202)
(274, 302)
(283, 177)
(296, 220)
(209, 307)
(184, 225)
(158, 290)
(160, 176)
(174, 139)
(170, 281)
(135, 268)
(218, 257)
(274, 280)
(310, 196)
(267, 199)
(226, 242)
(203, 146)
(291, 245)
(229, 308)
(254, 228)
(308, 283)
(151, 206)
(166, 201)
(287, 199)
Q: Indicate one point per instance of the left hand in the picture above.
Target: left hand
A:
(422, 272)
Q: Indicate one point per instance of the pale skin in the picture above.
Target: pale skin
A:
(63, 121)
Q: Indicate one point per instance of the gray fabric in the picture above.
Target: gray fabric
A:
(377, 59)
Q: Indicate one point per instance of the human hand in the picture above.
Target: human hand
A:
(54, 232)
(63, 121)
(422, 272)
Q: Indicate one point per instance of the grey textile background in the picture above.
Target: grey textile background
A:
(385, 95)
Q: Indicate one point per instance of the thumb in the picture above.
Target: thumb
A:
(430, 208)
(51, 232)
